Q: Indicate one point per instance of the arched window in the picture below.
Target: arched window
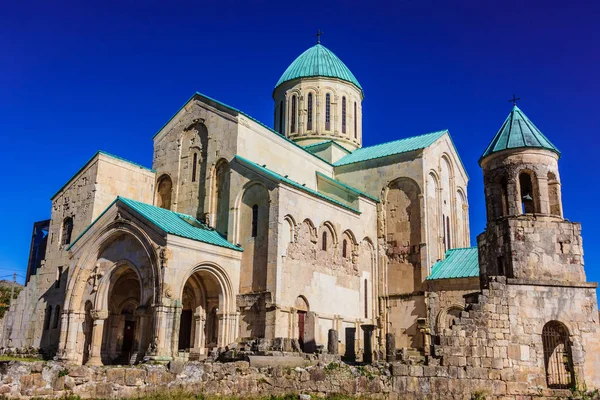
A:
(281, 116)
(345, 248)
(344, 114)
(554, 194)
(56, 317)
(194, 167)
(527, 195)
(309, 116)
(255, 220)
(293, 116)
(366, 299)
(355, 122)
(324, 241)
(47, 317)
(557, 356)
(327, 112)
(164, 192)
(67, 230)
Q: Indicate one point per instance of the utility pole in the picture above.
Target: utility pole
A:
(12, 288)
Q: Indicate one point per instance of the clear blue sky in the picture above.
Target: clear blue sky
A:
(80, 76)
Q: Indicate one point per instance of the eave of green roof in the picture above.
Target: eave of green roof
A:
(325, 143)
(235, 110)
(280, 178)
(170, 222)
(92, 159)
(318, 61)
(458, 263)
(518, 132)
(348, 187)
(390, 148)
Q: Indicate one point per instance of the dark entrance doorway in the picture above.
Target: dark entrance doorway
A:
(301, 322)
(128, 337)
(185, 330)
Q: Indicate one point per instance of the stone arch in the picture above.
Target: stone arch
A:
(447, 317)
(287, 232)
(253, 234)
(528, 190)
(191, 192)
(305, 324)
(403, 235)
(433, 217)
(208, 318)
(349, 244)
(447, 202)
(219, 197)
(558, 357)
(327, 236)
(307, 230)
(461, 218)
(164, 192)
(85, 282)
(368, 288)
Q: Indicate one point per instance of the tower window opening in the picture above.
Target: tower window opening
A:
(309, 116)
(194, 167)
(281, 116)
(293, 116)
(59, 273)
(324, 241)
(345, 248)
(255, 220)
(444, 232)
(56, 317)
(327, 112)
(526, 186)
(344, 114)
(449, 244)
(355, 122)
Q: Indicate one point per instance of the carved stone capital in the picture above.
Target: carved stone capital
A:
(99, 314)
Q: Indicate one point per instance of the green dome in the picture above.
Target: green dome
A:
(318, 61)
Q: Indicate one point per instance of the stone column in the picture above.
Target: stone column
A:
(143, 329)
(332, 342)
(200, 321)
(368, 352)
(390, 347)
(99, 316)
(71, 326)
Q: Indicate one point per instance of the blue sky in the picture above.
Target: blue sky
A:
(76, 77)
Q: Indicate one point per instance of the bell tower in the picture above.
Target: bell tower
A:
(526, 237)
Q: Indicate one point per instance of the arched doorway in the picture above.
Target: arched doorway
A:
(121, 336)
(205, 321)
(557, 356)
(305, 323)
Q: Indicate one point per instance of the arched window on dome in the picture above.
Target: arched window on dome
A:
(281, 117)
(327, 112)
(293, 116)
(344, 114)
(355, 124)
(309, 117)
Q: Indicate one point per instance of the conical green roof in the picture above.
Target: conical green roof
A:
(318, 61)
(518, 132)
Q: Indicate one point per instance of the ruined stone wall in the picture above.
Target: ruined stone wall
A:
(499, 335)
(446, 299)
(390, 381)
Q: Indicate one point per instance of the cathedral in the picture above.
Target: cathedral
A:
(281, 234)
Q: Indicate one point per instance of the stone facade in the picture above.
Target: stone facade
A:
(240, 236)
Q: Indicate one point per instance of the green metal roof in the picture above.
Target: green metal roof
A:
(318, 61)
(518, 132)
(390, 148)
(458, 263)
(350, 188)
(290, 182)
(170, 222)
(315, 146)
(90, 160)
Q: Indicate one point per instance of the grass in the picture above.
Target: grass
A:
(24, 359)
